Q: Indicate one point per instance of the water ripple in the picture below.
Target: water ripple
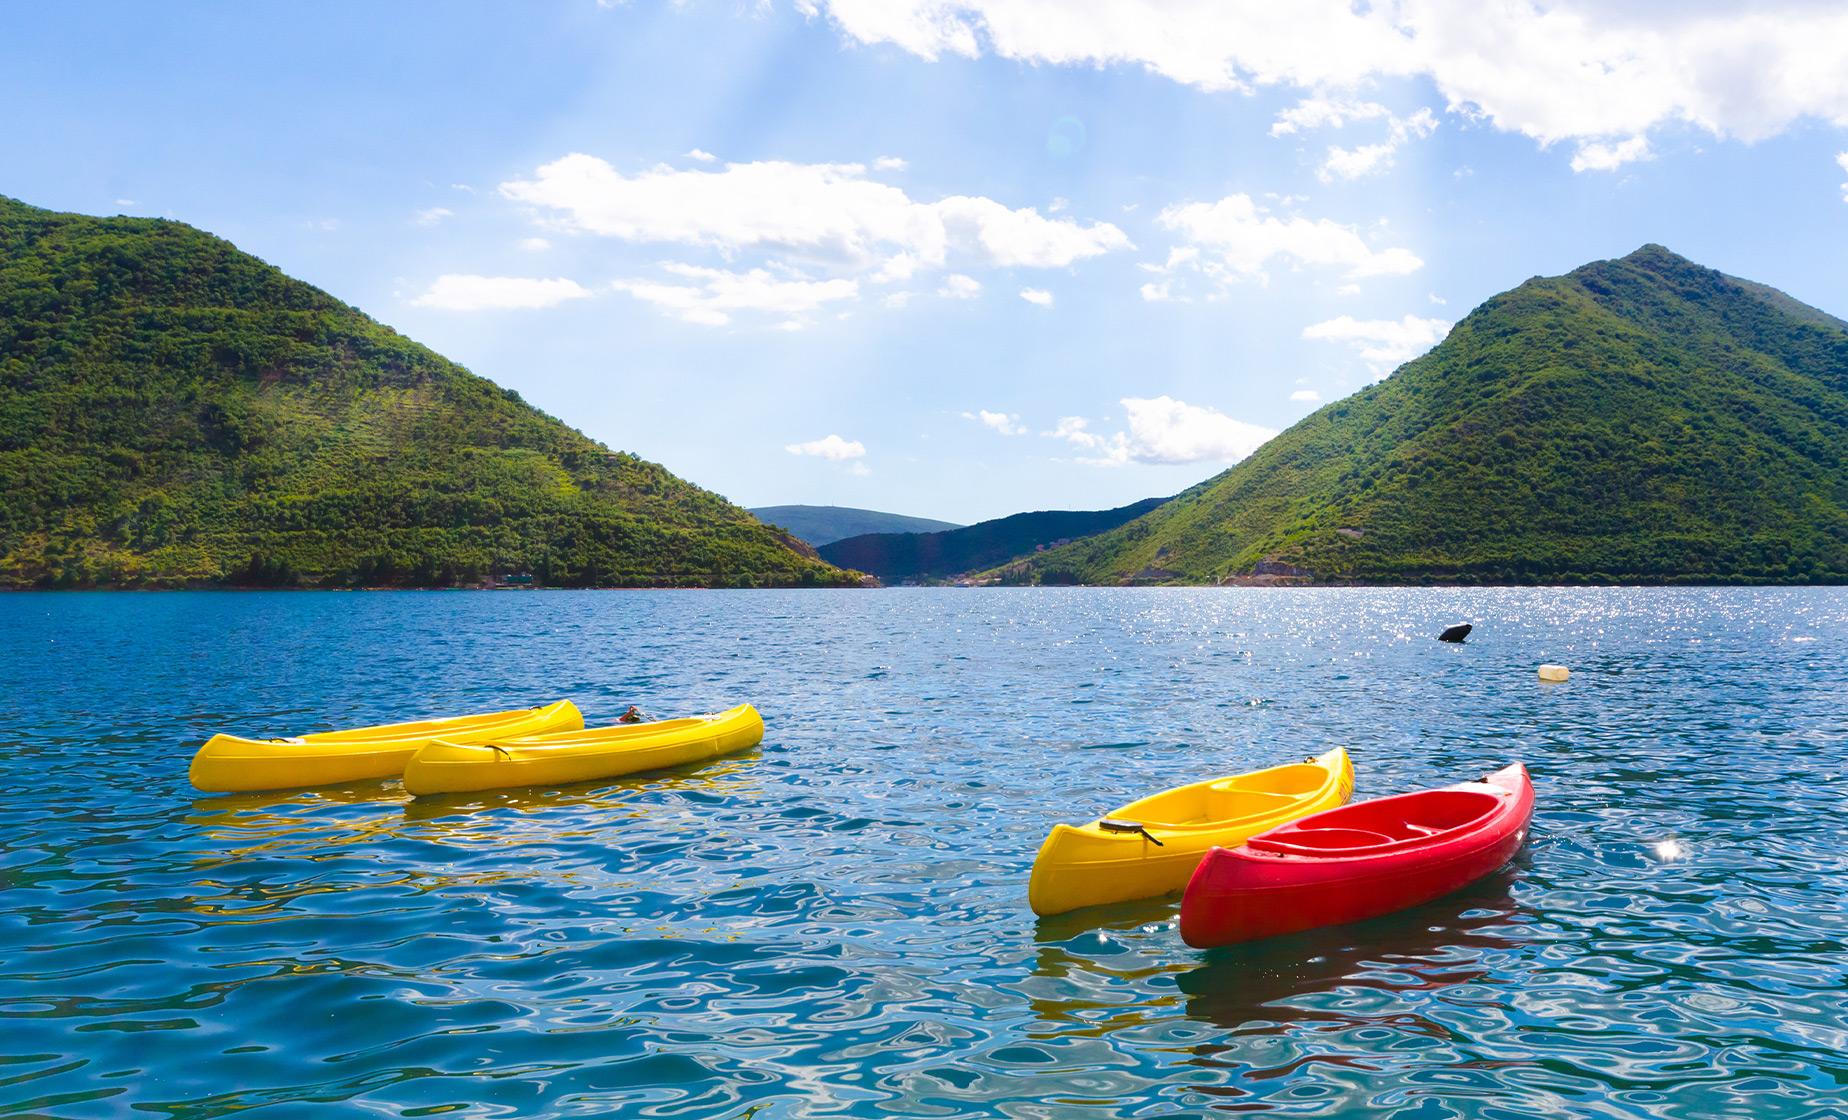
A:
(834, 925)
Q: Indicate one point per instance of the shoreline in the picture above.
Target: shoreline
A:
(1224, 586)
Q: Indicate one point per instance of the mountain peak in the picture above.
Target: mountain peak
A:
(1654, 282)
(1651, 251)
(1644, 419)
(1659, 259)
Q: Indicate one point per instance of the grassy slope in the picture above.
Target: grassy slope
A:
(1640, 419)
(174, 411)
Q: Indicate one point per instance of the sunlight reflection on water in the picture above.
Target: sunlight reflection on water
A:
(834, 925)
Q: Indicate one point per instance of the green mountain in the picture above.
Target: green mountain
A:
(176, 412)
(1642, 419)
(819, 525)
(927, 556)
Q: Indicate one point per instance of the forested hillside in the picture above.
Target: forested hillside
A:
(1642, 419)
(819, 525)
(176, 412)
(927, 556)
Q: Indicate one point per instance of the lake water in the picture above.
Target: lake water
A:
(835, 924)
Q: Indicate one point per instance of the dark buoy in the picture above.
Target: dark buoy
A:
(1456, 633)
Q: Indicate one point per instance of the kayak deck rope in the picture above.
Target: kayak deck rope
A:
(1134, 828)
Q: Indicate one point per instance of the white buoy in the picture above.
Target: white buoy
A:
(1554, 673)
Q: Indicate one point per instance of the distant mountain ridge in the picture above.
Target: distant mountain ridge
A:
(925, 556)
(174, 412)
(1636, 420)
(819, 525)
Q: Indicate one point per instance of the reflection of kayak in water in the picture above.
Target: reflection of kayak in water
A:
(1402, 952)
(1150, 847)
(1359, 861)
(631, 797)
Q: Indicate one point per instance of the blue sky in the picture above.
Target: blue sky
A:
(952, 258)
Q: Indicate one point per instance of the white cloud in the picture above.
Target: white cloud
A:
(831, 447)
(701, 155)
(900, 267)
(1023, 238)
(1325, 112)
(1552, 70)
(1382, 343)
(1435, 298)
(958, 286)
(126, 202)
(794, 235)
(1352, 163)
(717, 293)
(433, 215)
(1306, 395)
(452, 292)
(1320, 111)
(1105, 450)
(1164, 430)
(1037, 296)
(535, 244)
(826, 210)
(859, 470)
(1843, 160)
(1167, 431)
(1609, 157)
(1156, 292)
(1002, 422)
(1235, 238)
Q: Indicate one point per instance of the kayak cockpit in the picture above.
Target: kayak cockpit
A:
(1206, 807)
(620, 734)
(1224, 801)
(1388, 824)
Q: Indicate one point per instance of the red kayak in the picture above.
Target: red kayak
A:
(1358, 861)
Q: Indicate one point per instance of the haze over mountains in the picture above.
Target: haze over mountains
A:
(900, 557)
(819, 525)
(1643, 419)
(176, 412)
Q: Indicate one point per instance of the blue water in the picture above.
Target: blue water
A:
(835, 924)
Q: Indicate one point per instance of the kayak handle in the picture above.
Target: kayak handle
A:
(1131, 827)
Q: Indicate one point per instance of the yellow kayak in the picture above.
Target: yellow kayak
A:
(1151, 847)
(228, 763)
(446, 766)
